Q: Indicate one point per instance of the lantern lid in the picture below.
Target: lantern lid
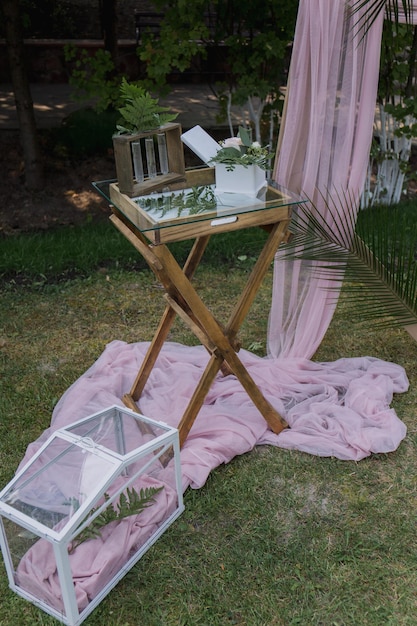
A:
(78, 464)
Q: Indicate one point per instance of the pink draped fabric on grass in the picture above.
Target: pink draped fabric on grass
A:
(339, 409)
(95, 562)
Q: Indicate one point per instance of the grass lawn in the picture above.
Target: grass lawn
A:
(274, 537)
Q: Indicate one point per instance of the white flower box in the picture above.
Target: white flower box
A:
(49, 510)
(247, 180)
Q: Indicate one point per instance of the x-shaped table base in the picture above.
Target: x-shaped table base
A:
(183, 300)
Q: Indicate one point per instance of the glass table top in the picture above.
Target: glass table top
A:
(188, 203)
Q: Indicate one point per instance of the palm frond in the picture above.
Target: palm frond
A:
(372, 8)
(375, 257)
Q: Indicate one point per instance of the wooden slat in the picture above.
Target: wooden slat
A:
(124, 165)
(165, 323)
(198, 397)
(192, 325)
(277, 234)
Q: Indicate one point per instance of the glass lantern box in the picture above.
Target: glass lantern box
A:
(86, 507)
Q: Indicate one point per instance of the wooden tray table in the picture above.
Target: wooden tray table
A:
(150, 235)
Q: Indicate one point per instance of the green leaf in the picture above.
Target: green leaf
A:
(246, 136)
(141, 112)
(374, 8)
(130, 503)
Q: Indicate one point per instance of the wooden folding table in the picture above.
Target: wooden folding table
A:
(150, 235)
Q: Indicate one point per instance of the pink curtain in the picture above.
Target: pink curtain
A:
(323, 153)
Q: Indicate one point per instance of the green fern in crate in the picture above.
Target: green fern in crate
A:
(141, 112)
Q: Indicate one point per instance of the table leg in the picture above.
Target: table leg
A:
(220, 341)
(220, 338)
(277, 234)
(198, 397)
(191, 264)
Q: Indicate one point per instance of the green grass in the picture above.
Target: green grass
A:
(79, 250)
(273, 538)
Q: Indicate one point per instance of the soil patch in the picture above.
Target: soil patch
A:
(67, 199)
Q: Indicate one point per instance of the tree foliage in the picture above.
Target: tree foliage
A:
(251, 41)
(395, 124)
(93, 77)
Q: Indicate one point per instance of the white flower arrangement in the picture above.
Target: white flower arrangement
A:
(241, 150)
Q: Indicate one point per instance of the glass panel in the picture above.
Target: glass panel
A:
(19, 541)
(137, 161)
(145, 503)
(117, 430)
(163, 153)
(34, 564)
(58, 483)
(108, 548)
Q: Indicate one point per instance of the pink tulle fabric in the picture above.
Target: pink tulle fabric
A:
(339, 408)
(94, 563)
(323, 152)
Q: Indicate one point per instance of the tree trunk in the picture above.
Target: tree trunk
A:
(108, 9)
(34, 175)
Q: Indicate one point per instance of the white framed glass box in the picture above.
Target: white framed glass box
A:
(86, 507)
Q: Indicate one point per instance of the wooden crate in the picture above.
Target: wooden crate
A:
(122, 145)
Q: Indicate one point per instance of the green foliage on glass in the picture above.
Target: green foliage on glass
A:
(130, 503)
(198, 200)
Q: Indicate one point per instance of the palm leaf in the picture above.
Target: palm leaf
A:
(374, 255)
(392, 7)
(374, 7)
